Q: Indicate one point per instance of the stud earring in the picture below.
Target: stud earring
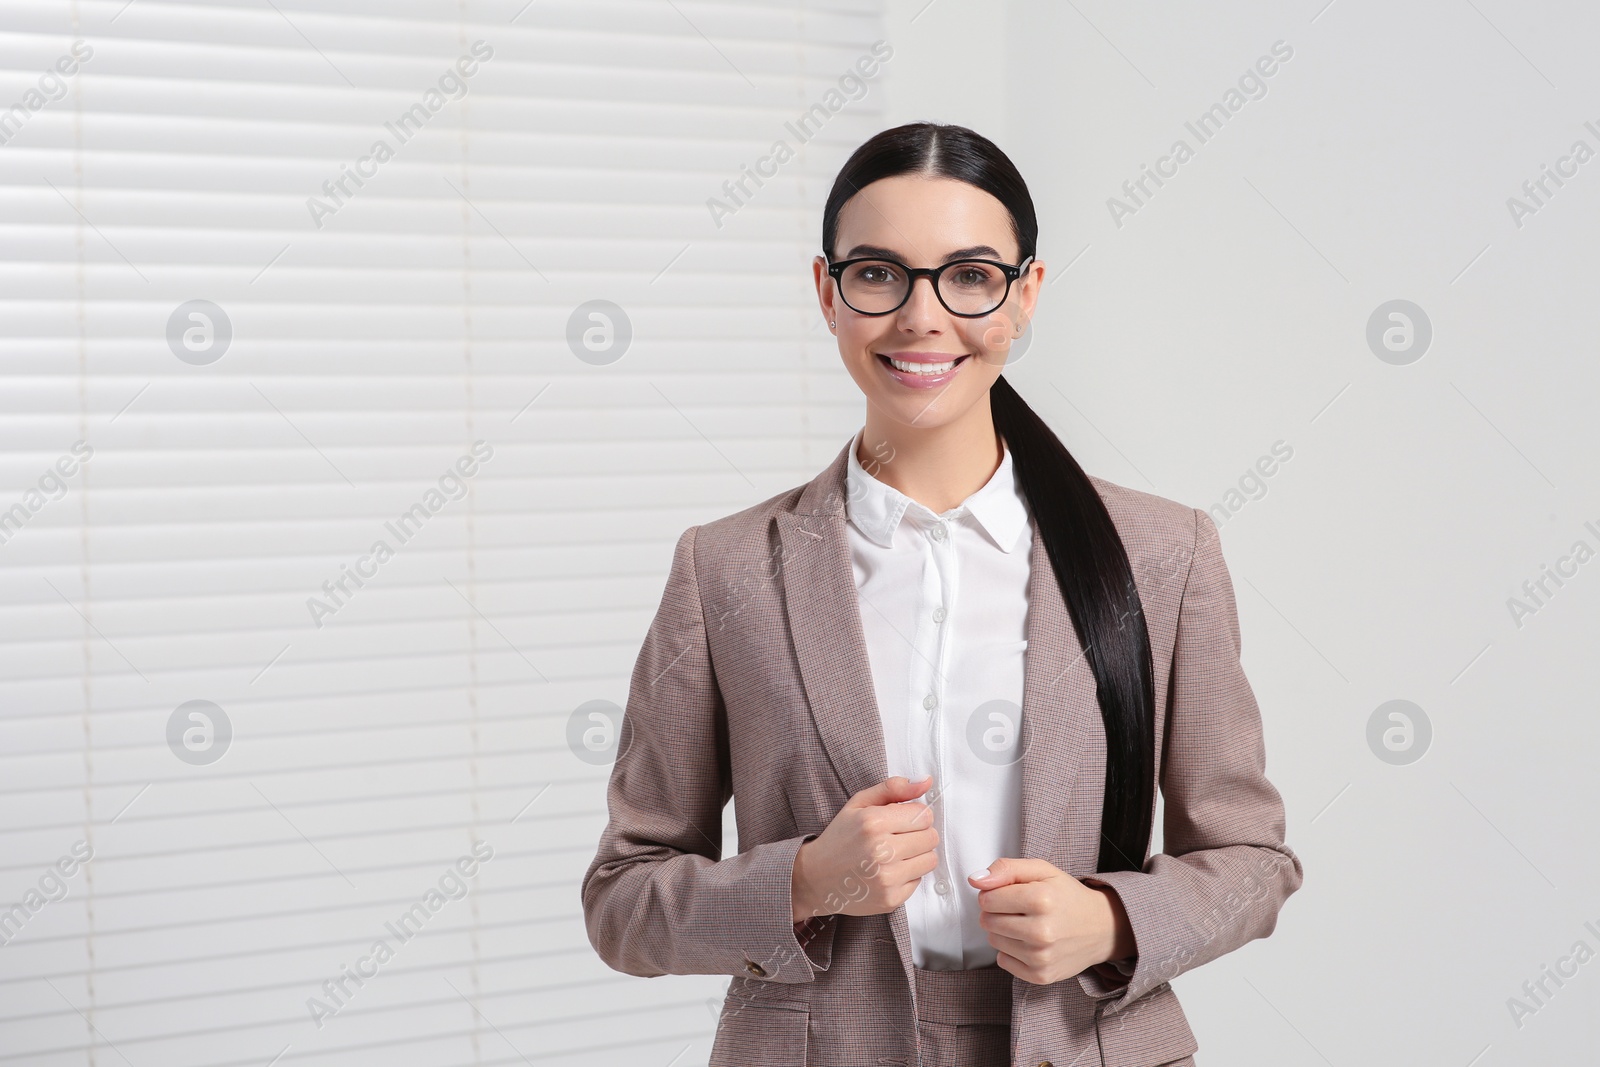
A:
(831, 324)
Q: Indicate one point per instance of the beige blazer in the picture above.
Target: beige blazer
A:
(753, 682)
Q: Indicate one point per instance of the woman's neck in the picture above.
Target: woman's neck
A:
(938, 466)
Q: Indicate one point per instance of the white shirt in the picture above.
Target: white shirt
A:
(944, 601)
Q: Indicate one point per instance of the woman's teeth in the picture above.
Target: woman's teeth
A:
(922, 368)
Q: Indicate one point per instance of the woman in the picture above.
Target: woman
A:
(952, 651)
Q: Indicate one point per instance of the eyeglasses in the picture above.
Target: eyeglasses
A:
(970, 288)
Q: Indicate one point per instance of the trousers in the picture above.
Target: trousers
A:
(964, 1017)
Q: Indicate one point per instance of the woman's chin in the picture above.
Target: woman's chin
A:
(927, 410)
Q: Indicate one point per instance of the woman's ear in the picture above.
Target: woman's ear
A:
(825, 290)
(1029, 286)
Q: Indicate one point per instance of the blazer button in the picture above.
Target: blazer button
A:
(755, 968)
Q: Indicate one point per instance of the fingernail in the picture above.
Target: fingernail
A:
(979, 875)
(925, 778)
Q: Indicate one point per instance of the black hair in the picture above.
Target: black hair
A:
(1087, 554)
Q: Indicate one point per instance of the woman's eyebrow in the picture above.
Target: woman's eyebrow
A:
(879, 252)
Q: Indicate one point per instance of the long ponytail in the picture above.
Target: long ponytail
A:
(1090, 563)
(1096, 582)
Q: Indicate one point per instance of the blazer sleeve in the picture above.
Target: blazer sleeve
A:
(1226, 870)
(658, 898)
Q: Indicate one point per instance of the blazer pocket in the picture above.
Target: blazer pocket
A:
(1150, 1032)
(760, 1035)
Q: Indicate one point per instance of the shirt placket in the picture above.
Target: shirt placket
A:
(938, 596)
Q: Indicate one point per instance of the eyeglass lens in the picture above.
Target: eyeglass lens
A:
(876, 286)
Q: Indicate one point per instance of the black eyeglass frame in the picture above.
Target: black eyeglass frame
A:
(1012, 273)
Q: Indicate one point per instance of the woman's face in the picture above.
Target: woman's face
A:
(925, 222)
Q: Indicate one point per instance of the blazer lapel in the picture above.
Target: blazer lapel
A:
(821, 602)
(1059, 713)
(824, 613)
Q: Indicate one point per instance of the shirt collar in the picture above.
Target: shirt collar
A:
(876, 508)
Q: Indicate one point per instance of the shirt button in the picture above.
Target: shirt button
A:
(942, 887)
(939, 532)
(938, 613)
(930, 701)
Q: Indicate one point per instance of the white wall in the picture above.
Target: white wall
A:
(1229, 312)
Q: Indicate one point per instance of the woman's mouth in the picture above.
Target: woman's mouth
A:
(922, 372)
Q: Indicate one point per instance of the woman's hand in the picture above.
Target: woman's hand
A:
(1046, 924)
(872, 855)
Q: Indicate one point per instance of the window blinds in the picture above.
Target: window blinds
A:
(362, 363)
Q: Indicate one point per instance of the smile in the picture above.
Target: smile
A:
(925, 370)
